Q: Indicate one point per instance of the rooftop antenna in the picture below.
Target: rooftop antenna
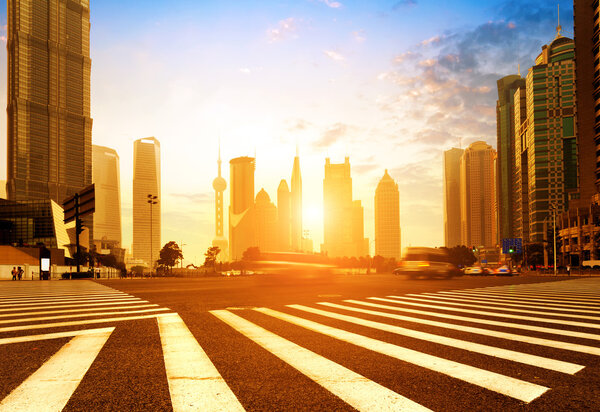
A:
(559, 27)
(519, 69)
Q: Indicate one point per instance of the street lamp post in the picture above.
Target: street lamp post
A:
(182, 245)
(553, 209)
(152, 200)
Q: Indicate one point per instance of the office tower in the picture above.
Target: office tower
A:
(505, 135)
(340, 237)
(521, 179)
(2, 189)
(296, 211)
(387, 218)
(478, 196)
(107, 217)
(283, 216)
(451, 197)
(146, 207)
(241, 206)
(265, 214)
(360, 244)
(219, 184)
(49, 128)
(547, 137)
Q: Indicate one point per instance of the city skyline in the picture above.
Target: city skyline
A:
(368, 65)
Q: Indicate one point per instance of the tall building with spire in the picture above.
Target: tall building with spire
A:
(283, 217)
(387, 218)
(241, 207)
(146, 216)
(452, 218)
(49, 128)
(219, 184)
(296, 206)
(107, 217)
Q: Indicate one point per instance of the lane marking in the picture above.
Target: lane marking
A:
(48, 312)
(546, 295)
(397, 300)
(80, 301)
(515, 388)
(483, 321)
(194, 382)
(57, 335)
(52, 385)
(76, 323)
(490, 305)
(359, 392)
(128, 302)
(534, 302)
(82, 315)
(29, 296)
(470, 329)
(65, 298)
(525, 358)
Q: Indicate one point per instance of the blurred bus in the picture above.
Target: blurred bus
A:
(292, 263)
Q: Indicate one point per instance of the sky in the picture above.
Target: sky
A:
(390, 84)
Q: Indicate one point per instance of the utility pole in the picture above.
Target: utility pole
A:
(152, 201)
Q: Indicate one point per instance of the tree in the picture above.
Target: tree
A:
(252, 253)
(211, 256)
(461, 256)
(170, 254)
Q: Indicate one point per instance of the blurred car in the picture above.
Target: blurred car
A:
(502, 271)
(427, 262)
(474, 270)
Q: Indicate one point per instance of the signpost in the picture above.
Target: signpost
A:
(80, 204)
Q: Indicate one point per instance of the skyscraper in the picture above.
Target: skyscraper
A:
(106, 178)
(548, 140)
(283, 216)
(296, 210)
(452, 197)
(49, 129)
(341, 238)
(241, 206)
(505, 135)
(146, 216)
(478, 196)
(219, 184)
(387, 218)
(265, 230)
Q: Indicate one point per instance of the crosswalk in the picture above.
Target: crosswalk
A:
(511, 345)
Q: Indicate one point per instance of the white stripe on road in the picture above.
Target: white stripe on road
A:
(354, 389)
(542, 295)
(82, 315)
(483, 321)
(65, 298)
(515, 388)
(493, 305)
(80, 301)
(524, 302)
(525, 358)
(194, 382)
(75, 323)
(401, 301)
(52, 385)
(29, 296)
(51, 312)
(480, 331)
(128, 302)
(57, 335)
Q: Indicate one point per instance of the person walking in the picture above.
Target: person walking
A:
(14, 273)
(20, 272)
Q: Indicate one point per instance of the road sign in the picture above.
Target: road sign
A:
(512, 245)
(82, 203)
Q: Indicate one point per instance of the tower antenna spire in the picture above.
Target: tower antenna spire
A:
(559, 27)
(519, 69)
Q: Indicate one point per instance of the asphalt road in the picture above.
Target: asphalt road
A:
(349, 342)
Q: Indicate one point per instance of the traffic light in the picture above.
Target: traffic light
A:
(511, 250)
(78, 226)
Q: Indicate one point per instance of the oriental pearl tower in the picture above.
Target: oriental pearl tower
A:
(219, 184)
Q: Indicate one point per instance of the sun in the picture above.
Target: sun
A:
(313, 215)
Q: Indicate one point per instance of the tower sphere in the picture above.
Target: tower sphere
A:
(219, 184)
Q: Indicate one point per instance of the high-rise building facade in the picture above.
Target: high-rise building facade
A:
(505, 134)
(387, 218)
(106, 179)
(283, 217)
(241, 207)
(146, 215)
(341, 238)
(265, 213)
(296, 206)
(219, 185)
(548, 137)
(520, 173)
(478, 196)
(49, 128)
(451, 197)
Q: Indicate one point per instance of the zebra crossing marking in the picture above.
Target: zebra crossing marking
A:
(75, 305)
(57, 335)
(52, 385)
(80, 301)
(194, 382)
(359, 392)
(512, 387)
(49, 312)
(82, 315)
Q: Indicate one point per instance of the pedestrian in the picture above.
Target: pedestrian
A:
(14, 273)
(20, 272)
(569, 270)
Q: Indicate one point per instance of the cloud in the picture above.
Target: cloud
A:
(245, 70)
(285, 29)
(332, 4)
(332, 135)
(404, 3)
(359, 35)
(334, 55)
(432, 40)
(297, 125)
(195, 197)
(365, 168)
(408, 55)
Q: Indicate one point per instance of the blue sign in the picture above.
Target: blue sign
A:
(512, 245)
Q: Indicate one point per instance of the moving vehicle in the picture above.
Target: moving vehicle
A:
(427, 262)
(474, 270)
(502, 271)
